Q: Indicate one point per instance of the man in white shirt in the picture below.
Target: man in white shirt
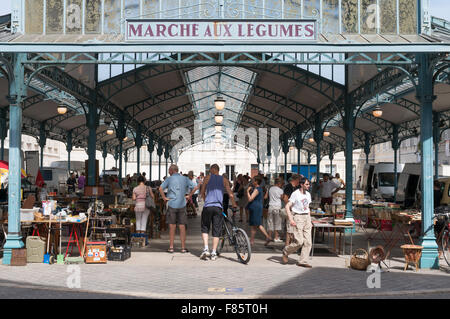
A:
(298, 212)
(274, 216)
(327, 189)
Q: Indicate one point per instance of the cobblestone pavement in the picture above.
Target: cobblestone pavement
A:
(153, 273)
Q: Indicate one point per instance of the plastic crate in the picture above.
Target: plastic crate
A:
(136, 235)
(121, 255)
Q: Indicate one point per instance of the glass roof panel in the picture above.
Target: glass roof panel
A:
(205, 84)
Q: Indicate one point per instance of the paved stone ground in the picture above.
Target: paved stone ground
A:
(153, 273)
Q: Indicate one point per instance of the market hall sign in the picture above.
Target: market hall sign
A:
(269, 31)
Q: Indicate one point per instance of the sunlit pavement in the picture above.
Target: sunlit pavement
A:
(153, 273)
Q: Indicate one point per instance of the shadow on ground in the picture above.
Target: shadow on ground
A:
(323, 282)
(21, 290)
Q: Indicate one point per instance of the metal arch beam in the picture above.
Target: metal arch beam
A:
(306, 78)
(255, 109)
(275, 97)
(163, 131)
(232, 54)
(182, 90)
(82, 92)
(32, 100)
(121, 82)
(143, 105)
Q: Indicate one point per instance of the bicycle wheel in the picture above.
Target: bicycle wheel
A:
(242, 246)
(446, 246)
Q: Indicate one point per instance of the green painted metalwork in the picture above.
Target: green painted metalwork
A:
(138, 144)
(42, 142)
(429, 257)
(395, 147)
(92, 124)
(3, 132)
(17, 92)
(159, 151)
(69, 148)
(315, 54)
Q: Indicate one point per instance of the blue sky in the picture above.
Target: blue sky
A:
(439, 8)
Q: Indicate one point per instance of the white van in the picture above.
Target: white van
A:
(55, 178)
(378, 180)
(408, 191)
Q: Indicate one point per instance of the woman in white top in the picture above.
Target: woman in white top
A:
(297, 210)
(274, 216)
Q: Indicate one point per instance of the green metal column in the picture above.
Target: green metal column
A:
(269, 157)
(116, 154)
(395, 147)
(429, 257)
(159, 151)
(69, 148)
(150, 148)
(104, 154)
(42, 142)
(138, 144)
(367, 146)
(331, 159)
(17, 92)
(3, 132)
(299, 146)
(166, 156)
(258, 159)
(125, 158)
(436, 140)
(285, 146)
(120, 136)
(309, 164)
(348, 127)
(318, 136)
(92, 124)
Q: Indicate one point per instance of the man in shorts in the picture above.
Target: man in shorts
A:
(212, 191)
(177, 187)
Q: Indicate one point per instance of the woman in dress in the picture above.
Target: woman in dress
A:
(255, 196)
(140, 193)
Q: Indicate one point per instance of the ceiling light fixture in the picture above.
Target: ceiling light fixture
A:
(218, 128)
(219, 103)
(326, 133)
(377, 111)
(311, 140)
(110, 131)
(218, 118)
(62, 109)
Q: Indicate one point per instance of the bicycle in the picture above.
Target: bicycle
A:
(442, 233)
(236, 237)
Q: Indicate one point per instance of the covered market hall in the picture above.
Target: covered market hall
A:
(331, 75)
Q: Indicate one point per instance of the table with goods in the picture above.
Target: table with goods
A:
(94, 233)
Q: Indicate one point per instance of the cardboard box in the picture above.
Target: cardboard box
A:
(96, 252)
(19, 257)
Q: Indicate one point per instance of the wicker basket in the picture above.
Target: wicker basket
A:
(377, 254)
(360, 262)
(412, 255)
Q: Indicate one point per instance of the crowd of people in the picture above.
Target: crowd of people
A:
(284, 206)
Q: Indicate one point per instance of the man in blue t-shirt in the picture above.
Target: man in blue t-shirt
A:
(177, 187)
